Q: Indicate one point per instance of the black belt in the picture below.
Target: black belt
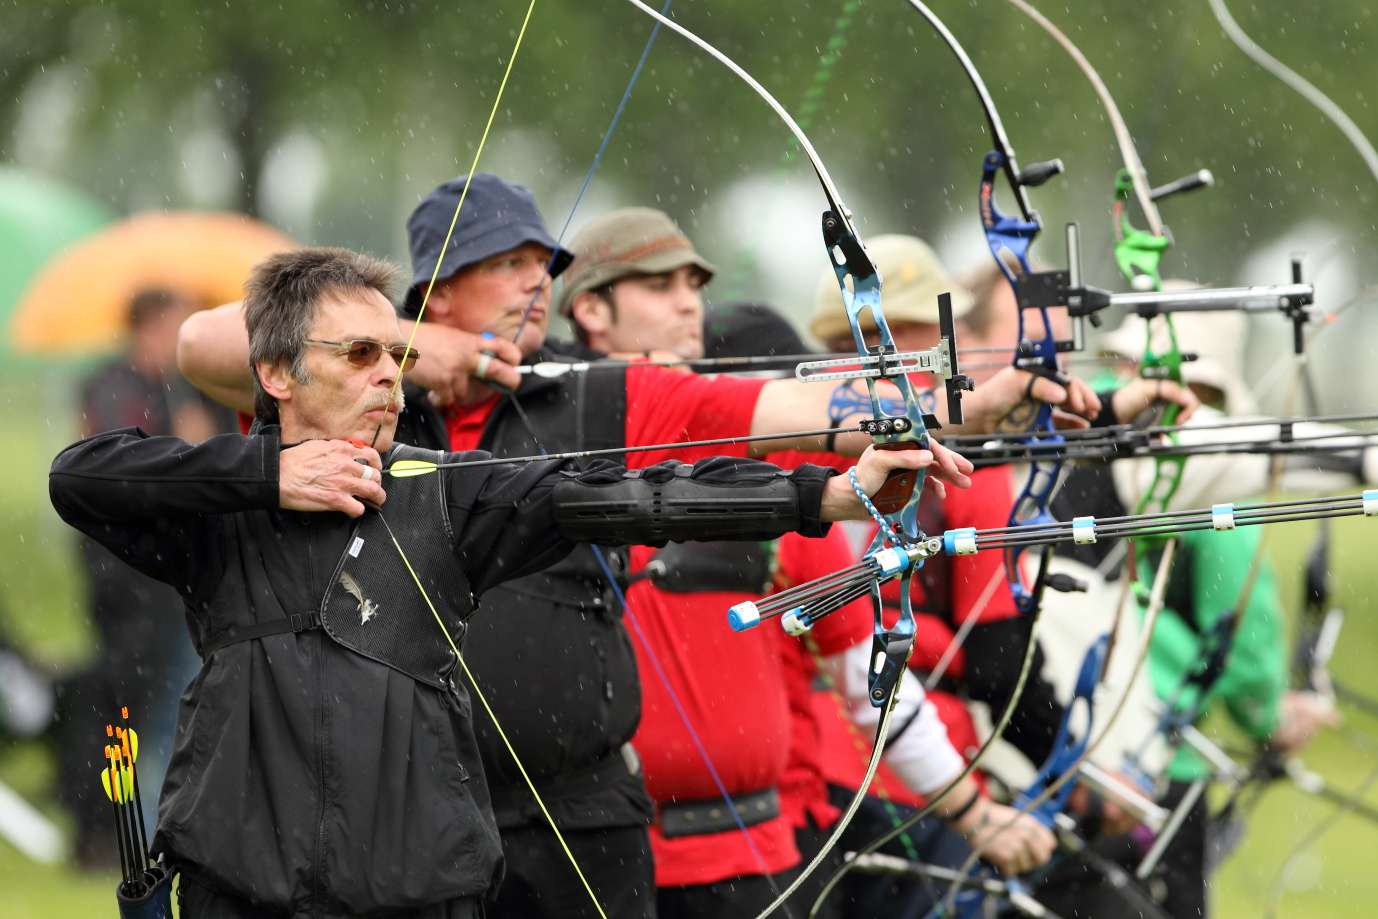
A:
(699, 818)
(570, 784)
(297, 622)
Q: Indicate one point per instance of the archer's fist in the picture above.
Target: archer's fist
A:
(873, 468)
(1140, 394)
(995, 399)
(453, 365)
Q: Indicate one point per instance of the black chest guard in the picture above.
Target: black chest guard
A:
(373, 606)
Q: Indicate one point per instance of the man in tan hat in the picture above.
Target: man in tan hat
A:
(635, 285)
(913, 280)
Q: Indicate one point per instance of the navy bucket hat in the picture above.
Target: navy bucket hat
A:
(498, 216)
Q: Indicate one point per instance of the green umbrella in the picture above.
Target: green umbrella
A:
(39, 217)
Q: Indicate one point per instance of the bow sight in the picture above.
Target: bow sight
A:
(1043, 290)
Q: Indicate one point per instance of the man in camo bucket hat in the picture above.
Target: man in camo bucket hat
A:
(625, 258)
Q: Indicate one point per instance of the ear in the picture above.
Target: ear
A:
(592, 313)
(277, 380)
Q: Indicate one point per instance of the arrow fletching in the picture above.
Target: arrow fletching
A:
(123, 783)
(404, 469)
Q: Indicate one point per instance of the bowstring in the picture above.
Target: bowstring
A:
(464, 193)
(435, 274)
(597, 159)
(688, 725)
(493, 715)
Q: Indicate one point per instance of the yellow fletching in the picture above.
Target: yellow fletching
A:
(133, 745)
(407, 468)
(124, 786)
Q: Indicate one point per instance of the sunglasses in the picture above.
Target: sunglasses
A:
(362, 353)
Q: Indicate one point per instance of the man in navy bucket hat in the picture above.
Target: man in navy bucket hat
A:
(497, 217)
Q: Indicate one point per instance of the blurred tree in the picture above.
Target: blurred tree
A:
(153, 104)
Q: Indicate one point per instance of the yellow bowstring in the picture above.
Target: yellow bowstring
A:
(464, 193)
(501, 733)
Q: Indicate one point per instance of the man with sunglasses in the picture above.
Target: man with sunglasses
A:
(326, 762)
(555, 658)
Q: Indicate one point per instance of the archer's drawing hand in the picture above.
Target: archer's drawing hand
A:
(1140, 394)
(325, 475)
(1021, 847)
(453, 366)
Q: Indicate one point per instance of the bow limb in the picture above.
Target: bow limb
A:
(1126, 142)
(829, 189)
(1284, 73)
(997, 127)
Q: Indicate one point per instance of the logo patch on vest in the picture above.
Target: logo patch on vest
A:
(367, 608)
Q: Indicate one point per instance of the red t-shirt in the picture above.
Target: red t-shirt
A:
(747, 696)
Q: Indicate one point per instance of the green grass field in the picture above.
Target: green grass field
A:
(40, 611)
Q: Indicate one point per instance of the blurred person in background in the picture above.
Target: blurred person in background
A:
(141, 660)
(1213, 575)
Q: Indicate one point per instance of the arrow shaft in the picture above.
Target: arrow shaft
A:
(616, 451)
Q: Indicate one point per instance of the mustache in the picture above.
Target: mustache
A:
(389, 399)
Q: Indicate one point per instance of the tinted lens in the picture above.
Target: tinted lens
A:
(405, 357)
(364, 353)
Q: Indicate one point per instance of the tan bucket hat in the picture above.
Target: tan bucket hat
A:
(632, 240)
(913, 277)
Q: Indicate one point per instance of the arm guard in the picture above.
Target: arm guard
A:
(715, 499)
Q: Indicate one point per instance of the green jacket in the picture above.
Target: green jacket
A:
(1207, 577)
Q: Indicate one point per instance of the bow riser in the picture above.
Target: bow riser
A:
(1034, 417)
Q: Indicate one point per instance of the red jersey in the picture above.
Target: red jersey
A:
(747, 697)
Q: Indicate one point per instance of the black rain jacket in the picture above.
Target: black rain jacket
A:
(306, 778)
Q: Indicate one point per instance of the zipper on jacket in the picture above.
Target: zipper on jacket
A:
(318, 867)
